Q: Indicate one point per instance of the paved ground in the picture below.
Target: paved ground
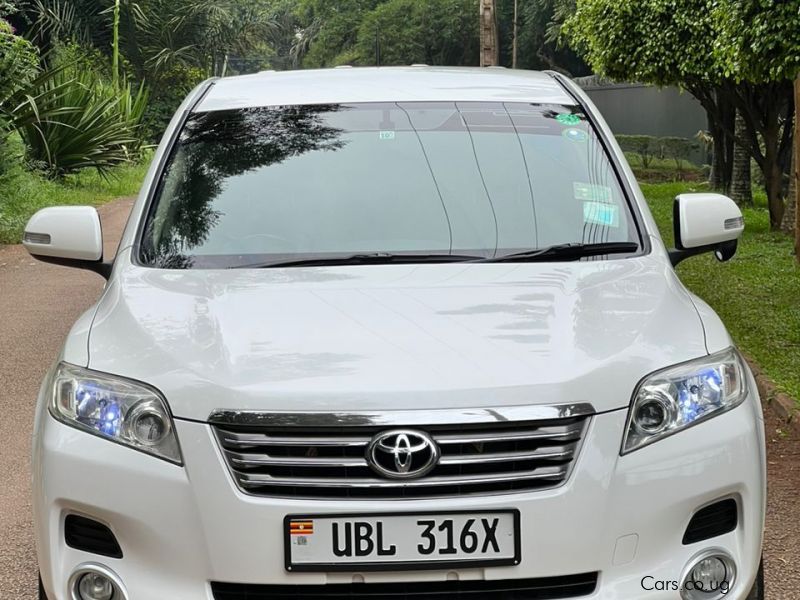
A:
(38, 304)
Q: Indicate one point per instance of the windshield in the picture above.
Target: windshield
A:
(281, 184)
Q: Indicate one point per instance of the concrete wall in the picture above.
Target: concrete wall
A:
(635, 109)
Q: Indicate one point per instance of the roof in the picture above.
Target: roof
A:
(383, 84)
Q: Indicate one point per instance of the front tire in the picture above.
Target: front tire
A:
(757, 593)
(42, 593)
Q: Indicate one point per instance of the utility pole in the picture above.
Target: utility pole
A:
(490, 55)
(377, 46)
(516, 29)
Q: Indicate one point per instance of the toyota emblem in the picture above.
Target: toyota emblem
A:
(402, 454)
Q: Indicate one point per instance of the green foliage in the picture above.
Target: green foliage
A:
(71, 121)
(168, 91)
(679, 149)
(646, 147)
(438, 32)
(661, 158)
(655, 41)
(759, 39)
(755, 294)
(335, 27)
(729, 54)
(19, 63)
(158, 35)
(23, 192)
(434, 32)
(54, 22)
(7, 7)
(540, 40)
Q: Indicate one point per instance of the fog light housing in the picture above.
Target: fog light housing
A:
(709, 576)
(96, 582)
(94, 586)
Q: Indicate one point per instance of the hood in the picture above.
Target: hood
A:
(379, 337)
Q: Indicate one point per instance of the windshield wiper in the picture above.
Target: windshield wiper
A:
(573, 251)
(362, 259)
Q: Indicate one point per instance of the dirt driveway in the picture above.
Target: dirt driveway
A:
(39, 303)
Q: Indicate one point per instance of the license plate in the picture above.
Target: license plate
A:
(392, 541)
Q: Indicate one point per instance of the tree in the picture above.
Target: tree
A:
(539, 41)
(335, 27)
(434, 32)
(759, 44)
(667, 42)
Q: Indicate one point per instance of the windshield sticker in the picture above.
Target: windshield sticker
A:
(589, 192)
(568, 119)
(386, 135)
(576, 135)
(599, 213)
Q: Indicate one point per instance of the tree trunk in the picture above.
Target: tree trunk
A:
(791, 219)
(717, 176)
(721, 118)
(490, 49)
(515, 34)
(796, 174)
(790, 214)
(741, 187)
(773, 179)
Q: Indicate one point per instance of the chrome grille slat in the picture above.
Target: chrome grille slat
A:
(555, 453)
(546, 473)
(255, 460)
(247, 439)
(323, 461)
(562, 433)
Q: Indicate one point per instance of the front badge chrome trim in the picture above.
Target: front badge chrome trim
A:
(402, 454)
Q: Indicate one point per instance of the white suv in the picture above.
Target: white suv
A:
(396, 333)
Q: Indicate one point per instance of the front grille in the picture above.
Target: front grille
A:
(90, 536)
(330, 462)
(714, 520)
(544, 588)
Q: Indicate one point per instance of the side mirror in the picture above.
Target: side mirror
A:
(705, 223)
(67, 235)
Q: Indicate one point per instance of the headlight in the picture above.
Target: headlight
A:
(681, 396)
(120, 410)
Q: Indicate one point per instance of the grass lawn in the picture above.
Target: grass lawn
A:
(757, 294)
(22, 193)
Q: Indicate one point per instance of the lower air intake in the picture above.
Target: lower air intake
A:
(90, 536)
(545, 588)
(714, 520)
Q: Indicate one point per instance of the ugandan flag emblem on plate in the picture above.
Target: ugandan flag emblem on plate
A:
(301, 527)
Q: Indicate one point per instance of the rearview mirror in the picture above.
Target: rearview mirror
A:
(67, 235)
(705, 223)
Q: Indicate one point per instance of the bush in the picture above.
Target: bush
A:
(169, 91)
(679, 150)
(644, 146)
(19, 63)
(72, 120)
(649, 148)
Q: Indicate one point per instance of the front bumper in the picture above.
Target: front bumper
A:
(181, 528)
